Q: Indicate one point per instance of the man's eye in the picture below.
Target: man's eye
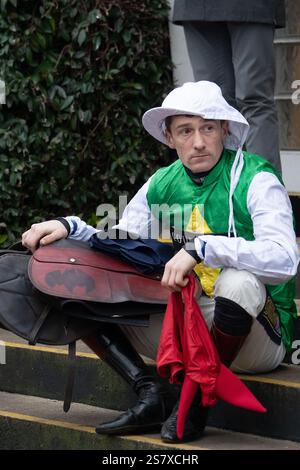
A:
(185, 131)
(209, 128)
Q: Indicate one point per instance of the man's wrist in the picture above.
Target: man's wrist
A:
(65, 223)
(190, 248)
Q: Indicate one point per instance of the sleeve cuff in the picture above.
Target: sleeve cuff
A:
(200, 247)
(190, 248)
(65, 223)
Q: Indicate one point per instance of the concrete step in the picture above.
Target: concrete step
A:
(34, 423)
(43, 373)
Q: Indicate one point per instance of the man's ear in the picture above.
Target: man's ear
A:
(169, 138)
(225, 128)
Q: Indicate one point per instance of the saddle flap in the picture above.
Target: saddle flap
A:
(27, 313)
(74, 252)
(71, 269)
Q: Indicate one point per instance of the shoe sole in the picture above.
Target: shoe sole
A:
(130, 430)
(184, 439)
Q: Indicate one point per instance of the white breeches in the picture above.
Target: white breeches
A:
(258, 353)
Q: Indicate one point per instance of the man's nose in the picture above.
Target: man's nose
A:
(198, 140)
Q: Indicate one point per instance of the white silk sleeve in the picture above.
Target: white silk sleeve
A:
(273, 255)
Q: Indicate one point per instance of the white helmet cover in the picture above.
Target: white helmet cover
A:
(198, 99)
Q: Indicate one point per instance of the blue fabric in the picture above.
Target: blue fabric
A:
(146, 255)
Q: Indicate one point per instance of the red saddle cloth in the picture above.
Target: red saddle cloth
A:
(186, 346)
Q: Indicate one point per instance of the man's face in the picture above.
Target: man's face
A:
(198, 142)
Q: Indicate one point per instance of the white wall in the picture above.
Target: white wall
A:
(183, 70)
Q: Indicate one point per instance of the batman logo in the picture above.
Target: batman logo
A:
(70, 279)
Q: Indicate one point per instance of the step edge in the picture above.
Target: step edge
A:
(52, 349)
(49, 349)
(91, 430)
(256, 378)
(249, 378)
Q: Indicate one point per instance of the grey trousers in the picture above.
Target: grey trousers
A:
(239, 57)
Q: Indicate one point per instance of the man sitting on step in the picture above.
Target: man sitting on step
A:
(244, 251)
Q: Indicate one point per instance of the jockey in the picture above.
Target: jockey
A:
(233, 219)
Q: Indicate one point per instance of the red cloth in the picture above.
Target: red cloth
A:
(186, 347)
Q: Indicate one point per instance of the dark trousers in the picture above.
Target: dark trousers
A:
(239, 57)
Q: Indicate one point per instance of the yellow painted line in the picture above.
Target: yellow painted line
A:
(267, 380)
(91, 430)
(154, 441)
(10, 344)
(49, 422)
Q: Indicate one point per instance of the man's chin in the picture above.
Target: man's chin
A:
(200, 164)
(200, 168)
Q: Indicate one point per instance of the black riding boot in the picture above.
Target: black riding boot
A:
(230, 328)
(194, 424)
(152, 408)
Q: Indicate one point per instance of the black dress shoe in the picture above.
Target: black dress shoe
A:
(194, 424)
(147, 415)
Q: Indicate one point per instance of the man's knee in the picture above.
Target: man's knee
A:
(243, 288)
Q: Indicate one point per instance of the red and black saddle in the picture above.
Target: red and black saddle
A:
(52, 295)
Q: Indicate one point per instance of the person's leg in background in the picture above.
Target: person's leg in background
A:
(209, 49)
(153, 406)
(253, 60)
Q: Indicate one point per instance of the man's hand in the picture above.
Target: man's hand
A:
(43, 233)
(177, 269)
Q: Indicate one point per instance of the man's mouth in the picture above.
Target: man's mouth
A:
(200, 156)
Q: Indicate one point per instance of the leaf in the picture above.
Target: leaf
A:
(136, 86)
(97, 42)
(94, 16)
(121, 62)
(84, 116)
(67, 102)
(41, 40)
(79, 54)
(3, 238)
(52, 24)
(3, 4)
(56, 89)
(127, 36)
(81, 37)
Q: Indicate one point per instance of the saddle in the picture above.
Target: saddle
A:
(72, 269)
(62, 291)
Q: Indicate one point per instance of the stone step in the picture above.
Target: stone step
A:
(34, 423)
(41, 371)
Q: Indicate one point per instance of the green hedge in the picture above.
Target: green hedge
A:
(79, 75)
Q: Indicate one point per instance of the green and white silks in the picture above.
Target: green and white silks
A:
(205, 209)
